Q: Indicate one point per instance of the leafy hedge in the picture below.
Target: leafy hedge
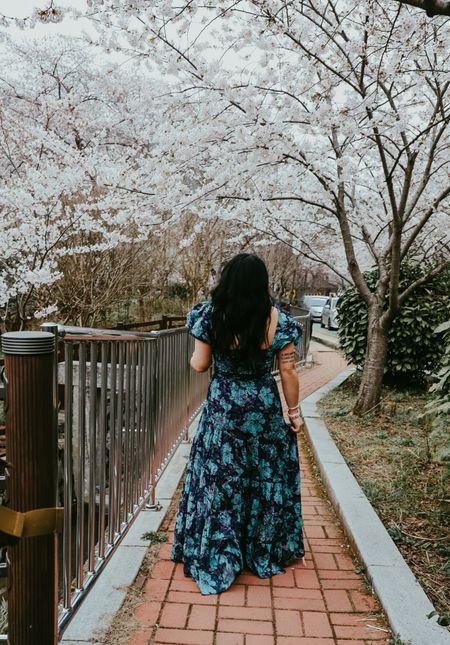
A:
(413, 348)
(439, 407)
(441, 389)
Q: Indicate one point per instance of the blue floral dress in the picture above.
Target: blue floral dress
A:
(240, 506)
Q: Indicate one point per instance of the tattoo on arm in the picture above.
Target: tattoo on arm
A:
(287, 357)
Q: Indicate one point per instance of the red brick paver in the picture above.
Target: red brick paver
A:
(318, 601)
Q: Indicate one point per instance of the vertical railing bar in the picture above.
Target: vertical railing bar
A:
(143, 417)
(149, 413)
(176, 373)
(127, 429)
(120, 446)
(137, 408)
(156, 402)
(187, 377)
(182, 401)
(68, 416)
(165, 418)
(165, 425)
(170, 383)
(81, 469)
(132, 438)
(137, 442)
(112, 444)
(102, 449)
(161, 394)
(92, 453)
(139, 385)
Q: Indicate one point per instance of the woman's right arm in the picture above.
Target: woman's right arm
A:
(290, 382)
(201, 359)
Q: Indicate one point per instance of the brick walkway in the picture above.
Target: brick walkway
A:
(322, 601)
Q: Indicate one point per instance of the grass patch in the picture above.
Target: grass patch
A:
(388, 453)
(155, 537)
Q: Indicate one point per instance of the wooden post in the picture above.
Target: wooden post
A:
(31, 483)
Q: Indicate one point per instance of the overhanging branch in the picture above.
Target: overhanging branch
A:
(432, 7)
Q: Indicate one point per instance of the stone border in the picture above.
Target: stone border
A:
(403, 599)
(93, 618)
(324, 340)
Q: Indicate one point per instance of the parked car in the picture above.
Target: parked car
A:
(329, 316)
(315, 304)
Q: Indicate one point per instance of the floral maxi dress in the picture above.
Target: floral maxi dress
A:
(240, 506)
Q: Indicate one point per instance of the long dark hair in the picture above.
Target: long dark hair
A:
(241, 306)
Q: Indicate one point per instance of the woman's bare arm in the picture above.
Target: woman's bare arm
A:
(289, 380)
(202, 356)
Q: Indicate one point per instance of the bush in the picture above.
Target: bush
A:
(413, 349)
(439, 407)
(441, 389)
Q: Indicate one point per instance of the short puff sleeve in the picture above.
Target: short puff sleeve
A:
(199, 321)
(288, 331)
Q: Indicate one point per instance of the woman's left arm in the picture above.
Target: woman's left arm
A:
(201, 359)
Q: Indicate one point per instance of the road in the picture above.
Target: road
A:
(326, 336)
(324, 330)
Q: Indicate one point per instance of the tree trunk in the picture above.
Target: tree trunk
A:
(372, 376)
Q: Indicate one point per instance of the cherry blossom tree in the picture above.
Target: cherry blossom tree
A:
(323, 124)
(319, 124)
(69, 132)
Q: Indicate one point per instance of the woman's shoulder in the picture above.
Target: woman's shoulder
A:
(200, 309)
(199, 320)
(288, 329)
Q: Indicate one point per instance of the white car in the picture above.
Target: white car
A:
(315, 305)
(329, 316)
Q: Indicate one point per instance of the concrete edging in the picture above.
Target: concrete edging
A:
(323, 340)
(403, 599)
(94, 617)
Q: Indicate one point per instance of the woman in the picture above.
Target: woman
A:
(240, 505)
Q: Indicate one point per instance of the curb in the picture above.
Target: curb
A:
(324, 341)
(95, 615)
(403, 599)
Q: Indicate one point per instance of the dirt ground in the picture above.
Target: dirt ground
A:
(388, 453)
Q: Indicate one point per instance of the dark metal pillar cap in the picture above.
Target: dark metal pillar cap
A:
(28, 342)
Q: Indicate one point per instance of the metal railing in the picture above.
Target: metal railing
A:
(128, 403)
(302, 350)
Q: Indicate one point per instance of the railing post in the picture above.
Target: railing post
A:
(31, 484)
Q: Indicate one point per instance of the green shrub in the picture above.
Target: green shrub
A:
(439, 407)
(413, 349)
(441, 389)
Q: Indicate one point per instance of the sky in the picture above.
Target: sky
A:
(24, 8)
(71, 27)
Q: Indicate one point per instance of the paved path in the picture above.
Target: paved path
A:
(322, 601)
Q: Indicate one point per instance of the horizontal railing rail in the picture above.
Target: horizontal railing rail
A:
(165, 322)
